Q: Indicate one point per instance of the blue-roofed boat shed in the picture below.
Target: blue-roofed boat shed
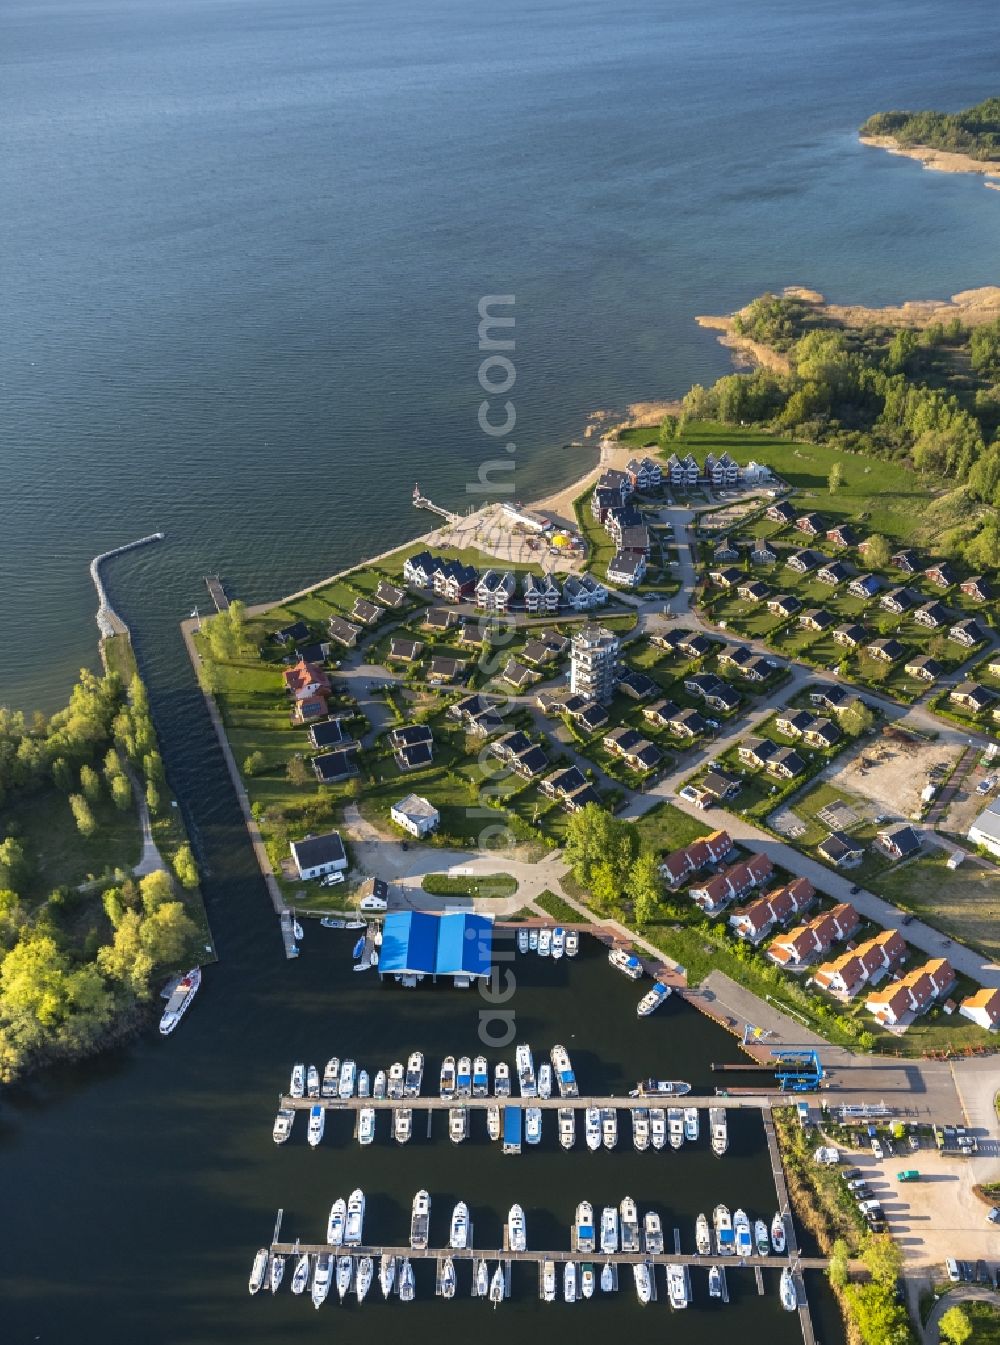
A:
(417, 944)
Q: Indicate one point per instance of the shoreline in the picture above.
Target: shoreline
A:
(936, 160)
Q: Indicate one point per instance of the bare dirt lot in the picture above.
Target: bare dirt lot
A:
(892, 772)
(493, 532)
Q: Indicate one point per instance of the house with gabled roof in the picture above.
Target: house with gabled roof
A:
(865, 586)
(781, 512)
(803, 944)
(541, 594)
(834, 574)
(841, 850)
(940, 575)
(905, 560)
(494, 590)
(793, 723)
(659, 713)
(811, 524)
(725, 550)
(899, 600)
(822, 733)
(816, 618)
(842, 536)
(388, 595)
(982, 1008)
(898, 1004)
(898, 842)
(933, 615)
(366, 612)
(756, 752)
(886, 649)
(752, 590)
(438, 619)
(343, 631)
(687, 724)
(968, 633)
(803, 561)
(849, 973)
(763, 553)
(443, 669)
(787, 763)
(972, 696)
(627, 568)
(454, 581)
(582, 592)
(923, 667)
(979, 589)
(404, 651)
(305, 679)
(784, 605)
(728, 577)
(850, 635)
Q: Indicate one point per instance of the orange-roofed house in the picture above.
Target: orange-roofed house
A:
(306, 679)
(752, 922)
(983, 1009)
(896, 1005)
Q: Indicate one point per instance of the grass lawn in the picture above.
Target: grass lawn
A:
(964, 902)
(560, 909)
(454, 884)
(665, 827)
(985, 1319)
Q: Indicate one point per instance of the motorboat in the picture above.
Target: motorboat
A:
(258, 1272)
(448, 1077)
(643, 1282)
(725, 1240)
(702, 1236)
(587, 1279)
(297, 930)
(660, 1088)
(312, 1081)
(692, 1127)
(179, 1001)
(379, 1085)
(545, 943)
(420, 1221)
(332, 922)
(719, 1128)
(593, 1130)
(788, 1292)
(657, 1127)
(414, 1075)
(761, 1240)
(572, 948)
(629, 1217)
(300, 1276)
(584, 1236)
(297, 1086)
(517, 1233)
(567, 1127)
(558, 942)
(609, 1230)
(358, 949)
(354, 1224)
(366, 1125)
(482, 1278)
(607, 1278)
(533, 1124)
(363, 1280)
(463, 1078)
(522, 940)
(626, 963)
(402, 1124)
(335, 1223)
(778, 1234)
(345, 1273)
(526, 1072)
(448, 1281)
(675, 1127)
(322, 1279)
(283, 1123)
(493, 1123)
(533, 940)
(569, 1281)
(317, 1123)
(677, 1285)
(653, 1233)
(741, 1231)
(459, 1236)
(407, 1287)
(348, 1075)
(480, 1077)
(331, 1078)
(549, 1280)
(609, 1127)
(652, 1000)
(387, 1273)
(640, 1129)
(497, 1285)
(501, 1079)
(715, 1282)
(364, 1083)
(396, 1081)
(545, 1081)
(563, 1072)
(458, 1124)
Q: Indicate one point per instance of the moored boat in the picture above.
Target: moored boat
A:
(692, 1128)
(545, 1081)
(448, 1281)
(742, 1234)
(761, 1240)
(331, 1077)
(653, 1233)
(366, 1125)
(458, 1124)
(526, 1071)
(420, 1221)
(458, 1237)
(567, 1127)
(587, 1279)
(583, 1229)
(549, 1280)
(675, 1127)
(533, 1124)
(493, 1123)
(482, 1278)
(480, 1077)
(379, 1085)
(544, 943)
(660, 1088)
(497, 1285)
(607, 1277)
(558, 942)
(715, 1282)
(572, 948)
(345, 1273)
(407, 1287)
(609, 1127)
(297, 1086)
(354, 1223)
(723, 1224)
(396, 1081)
(778, 1234)
(629, 1217)
(463, 1077)
(300, 1276)
(533, 940)
(569, 1281)
(522, 940)
(364, 1083)
(414, 1074)
(312, 1081)
(348, 1075)
(322, 1279)
(657, 1127)
(643, 1282)
(283, 1123)
(386, 1273)
(317, 1123)
(652, 999)
(402, 1124)
(593, 1128)
(501, 1079)
(517, 1233)
(258, 1271)
(788, 1292)
(677, 1285)
(180, 1001)
(563, 1071)
(626, 963)
(609, 1230)
(640, 1129)
(447, 1082)
(335, 1222)
(719, 1127)
(702, 1236)
(362, 1283)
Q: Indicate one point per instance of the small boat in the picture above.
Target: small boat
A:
(607, 1278)
(653, 1233)
(482, 1278)
(692, 1127)
(609, 1127)
(545, 943)
(587, 1280)
(331, 1078)
(567, 1127)
(258, 1272)
(366, 1269)
(629, 1225)
(420, 1221)
(702, 1236)
(354, 1224)
(448, 1077)
(558, 942)
(394, 1083)
(626, 963)
(522, 940)
(317, 1122)
(778, 1234)
(501, 1079)
(787, 1290)
(407, 1288)
(366, 1125)
(322, 1279)
(358, 948)
(414, 1075)
(677, 1286)
(458, 1124)
(723, 1224)
(533, 940)
(345, 1273)
(585, 1237)
(459, 1236)
(364, 1083)
(660, 1088)
(300, 1277)
(609, 1230)
(335, 1223)
(533, 1124)
(719, 1127)
(348, 1074)
(480, 1077)
(331, 922)
(761, 1240)
(497, 1285)
(572, 948)
(526, 1072)
(545, 1081)
(593, 1131)
(463, 1078)
(549, 1281)
(379, 1085)
(675, 1127)
(741, 1231)
(657, 1127)
(517, 1232)
(493, 1123)
(448, 1281)
(386, 1273)
(402, 1124)
(298, 931)
(569, 1281)
(563, 1071)
(640, 1129)
(643, 1282)
(283, 1123)
(312, 1081)
(715, 1282)
(180, 1001)
(652, 999)
(297, 1087)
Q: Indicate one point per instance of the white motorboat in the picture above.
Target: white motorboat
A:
(180, 1001)
(677, 1286)
(702, 1236)
(447, 1083)
(317, 1123)
(463, 1077)
(354, 1224)
(348, 1075)
(493, 1123)
(459, 1236)
(312, 1081)
(587, 1280)
(657, 1127)
(652, 1000)
(626, 963)
(297, 1086)
(366, 1125)
(629, 1219)
(331, 1078)
(258, 1271)
(300, 1276)
(719, 1127)
(386, 1273)
(414, 1074)
(607, 1278)
(402, 1124)
(335, 1223)
(640, 1129)
(458, 1124)
(448, 1281)
(761, 1241)
(420, 1221)
(609, 1127)
(558, 942)
(723, 1224)
(609, 1230)
(563, 1072)
(715, 1282)
(407, 1287)
(364, 1083)
(501, 1079)
(593, 1128)
(532, 1124)
(331, 922)
(533, 940)
(653, 1233)
(345, 1273)
(675, 1127)
(584, 1235)
(379, 1085)
(522, 940)
(480, 1077)
(549, 1280)
(395, 1081)
(567, 1127)
(569, 1281)
(692, 1128)
(572, 948)
(545, 1081)
(497, 1285)
(741, 1231)
(545, 942)
(322, 1279)
(298, 931)
(283, 1123)
(643, 1281)
(660, 1088)
(362, 1283)
(788, 1292)
(526, 1072)
(778, 1234)
(482, 1279)
(517, 1233)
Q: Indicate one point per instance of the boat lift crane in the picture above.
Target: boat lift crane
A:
(798, 1071)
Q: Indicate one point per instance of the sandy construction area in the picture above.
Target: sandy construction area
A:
(892, 772)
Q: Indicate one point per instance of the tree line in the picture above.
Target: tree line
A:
(974, 131)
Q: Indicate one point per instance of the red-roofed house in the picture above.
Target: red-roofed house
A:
(802, 945)
(752, 922)
(305, 679)
(844, 976)
(713, 895)
(675, 867)
(983, 1008)
(912, 994)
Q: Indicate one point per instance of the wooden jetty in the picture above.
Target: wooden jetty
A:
(217, 592)
(764, 1101)
(422, 502)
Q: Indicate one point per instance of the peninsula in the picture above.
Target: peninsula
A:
(947, 142)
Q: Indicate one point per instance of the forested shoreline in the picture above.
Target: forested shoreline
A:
(974, 132)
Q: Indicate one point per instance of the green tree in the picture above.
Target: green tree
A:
(297, 770)
(169, 934)
(667, 432)
(14, 867)
(858, 718)
(13, 918)
(155, 889)
(185, 867)
(121, 792)
(955, 1325)
(90, 783)
(114, 906)
(982, 551)
(836, 478)
(86, 822)
(878, 552)
(152, 798)
(125, 959)
(839, 1268)
(596, 840)
(253, 764)
(644, 887)
(62, 775)
(883, 1258)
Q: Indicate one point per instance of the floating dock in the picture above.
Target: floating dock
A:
(763, 1101)
(217, 592)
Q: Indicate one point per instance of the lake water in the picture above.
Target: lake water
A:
(243, 249)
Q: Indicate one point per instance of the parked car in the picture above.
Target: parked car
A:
(907, 919)
(953, 1272)
(855, 890)
(983, 1273)
(967, 1271)
(331, 880)
(877, 1149)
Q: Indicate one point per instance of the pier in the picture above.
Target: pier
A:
(763, 1101)
(422, 502)
(217, 592)
(109, 623)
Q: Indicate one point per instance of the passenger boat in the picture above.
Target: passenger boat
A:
(402, 1124)
(778, 1234)
(563, 1071)
(345, 1273)
(258, 1272)
(533, 940)
(317, 1122)
(549, 1280)
(322, 1279)
(640, 1129)
(180, 1001)
(522, 940)
(448, 1280)
(463, 1077)
(587, 1279)
(517, 1233)
(407, 1288)
(420, 1220)
(593, 1131)
(480, 1077)
(787, 1290)
(283, 1123)
(532, 1124)
(348, 1075)
(312, 1081)
(643, 1282)
(482, 1278)
(414, 1074)
(677, 1285)
(653, 1233)
(331, 1078)
(715, 1282)
(545, 1081)
(366, 1125)
(702, 1236)
(692, 1127)
(458, 1238)
(607, 1278)
(569, 1281)
(300, 1276)
(585, 1237)
(458, 1124)
(657, 1127)
(741, 1231)
(501, 1079)
(366, 1269)
(297, 1086)
(497, 1285)
(558, 942)
(660, 1088)
(629, 1225)
(626, 963)
(723, 1224)
(719, 1127)
(354, 1226)
(364, 1083)
(335, 1222)
(652, 1000)
(609, 1230)
(493, 1123)
(762, 1241)
(396, 1081)
(567, 1127)
(572, 948)
(675, 1127)
(379, 1085)
(525, 1071)
(545, 943)
(448, 1077)
(387, 1273)
(609, 1127)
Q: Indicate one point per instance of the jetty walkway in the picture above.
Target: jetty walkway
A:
(109, 623)
(763, 1101)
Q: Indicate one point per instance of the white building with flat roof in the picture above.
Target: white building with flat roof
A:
(416, 815)
(985, 831)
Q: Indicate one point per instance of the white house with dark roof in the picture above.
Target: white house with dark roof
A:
(319, 855)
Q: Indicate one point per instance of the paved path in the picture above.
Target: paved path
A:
(150, 860)
(959, 1293)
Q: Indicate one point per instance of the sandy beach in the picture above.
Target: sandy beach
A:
(937, 160)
